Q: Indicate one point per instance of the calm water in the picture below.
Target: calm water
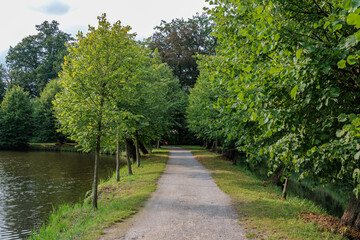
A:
(31, 183)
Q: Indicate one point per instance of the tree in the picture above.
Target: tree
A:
(290, 90)
(45, 122)
(97, 67)
(2, 82)
(15, 119)
(37, 58)
(178, 43)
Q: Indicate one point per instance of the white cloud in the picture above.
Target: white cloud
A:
(53, 8)
(18, 17)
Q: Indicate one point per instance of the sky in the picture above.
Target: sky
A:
(19, 17)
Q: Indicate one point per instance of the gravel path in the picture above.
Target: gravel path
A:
(186, 205)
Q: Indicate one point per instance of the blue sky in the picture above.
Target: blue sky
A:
(19, 17)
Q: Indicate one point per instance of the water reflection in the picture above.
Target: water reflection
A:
(32, 182)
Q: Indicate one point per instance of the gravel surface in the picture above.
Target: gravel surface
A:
(186, 205)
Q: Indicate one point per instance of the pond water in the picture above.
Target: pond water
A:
(31, 183)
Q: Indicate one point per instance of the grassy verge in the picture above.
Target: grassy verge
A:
(264, 214)
(66, 147)
(117, 201)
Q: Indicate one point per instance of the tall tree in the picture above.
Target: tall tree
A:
(178, 43)
(290, 74)
(2, 82)
(98, 66)
(15, 119)
(45, 122)
(37, 58)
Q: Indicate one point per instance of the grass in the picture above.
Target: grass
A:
(66, 147)
(116, 202)
(264, 214)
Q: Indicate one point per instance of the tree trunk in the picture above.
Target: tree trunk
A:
(142, 148)
(235, 157)
(276, 177)
(128, 159)
(97, 156)
(351, 213)
(285, 189)
(131, 148)
(214, 146)
(208, 145)
(117, 160)
(137, 150)
(157, 144)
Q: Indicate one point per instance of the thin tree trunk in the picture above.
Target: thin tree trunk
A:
(97, 156)
(128, 159)
(117, 160)
(157, 144)
(143, 148)
(285, 189)
(137, 150)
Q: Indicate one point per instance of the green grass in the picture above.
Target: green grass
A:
(116, 202)
(264, 214)
(67, 147)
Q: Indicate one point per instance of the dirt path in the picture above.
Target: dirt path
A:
(186, 205)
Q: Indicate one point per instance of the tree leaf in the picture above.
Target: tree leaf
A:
(347, 4)
(341, 64)
(353, 19)
(340, 132)
(298, 53)
(294, 92)
(357, 155)
(342, 117)
(351, 59)
(356, 122)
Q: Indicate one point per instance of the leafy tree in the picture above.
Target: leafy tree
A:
(37, 58)
(98, 66)
(15, 119)
(2, 82)
(178, 43)
(45, 122)
(289, 87)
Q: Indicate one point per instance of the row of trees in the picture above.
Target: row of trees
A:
(37, 59)
(24, 119)
(115, 90)
(284, 88)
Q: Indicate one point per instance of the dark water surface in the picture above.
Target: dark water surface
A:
(31, 183)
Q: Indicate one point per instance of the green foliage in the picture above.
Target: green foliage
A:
(286, 85)
(45, 122)
(37, 58)
(15, 119)
(178, 43)
(97, 67)
(2, 82)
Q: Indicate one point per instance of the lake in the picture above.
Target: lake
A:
(31, 183)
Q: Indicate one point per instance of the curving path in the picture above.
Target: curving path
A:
(186, 205)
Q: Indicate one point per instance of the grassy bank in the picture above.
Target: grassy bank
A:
(117, 201)
(66, 147)
(264, 214)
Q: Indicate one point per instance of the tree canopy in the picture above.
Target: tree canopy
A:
(15, 119)
(178, 43)
(37, 58)
(112, 89)
(287, 86)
